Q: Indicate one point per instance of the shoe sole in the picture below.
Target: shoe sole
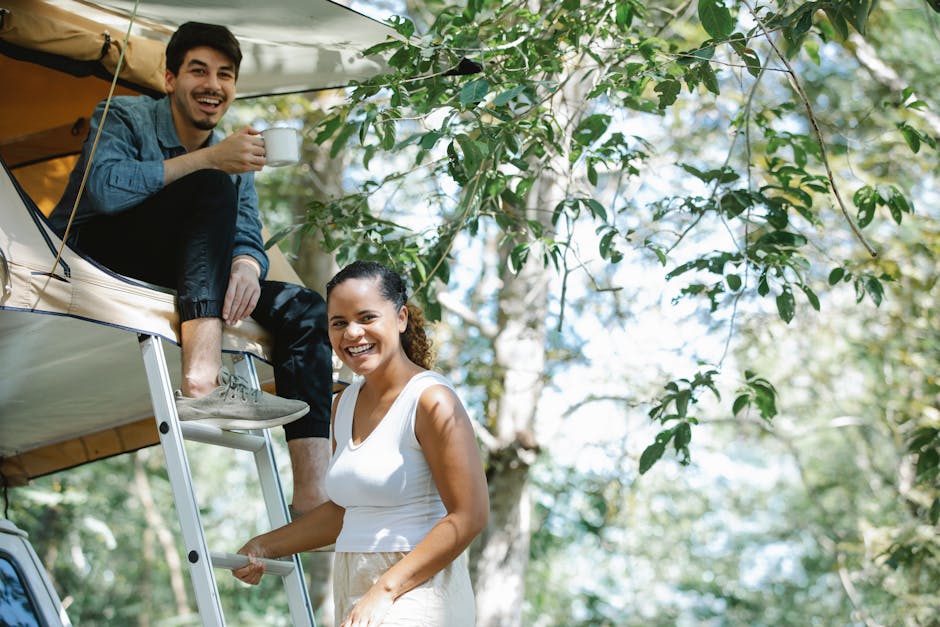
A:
(229, 424)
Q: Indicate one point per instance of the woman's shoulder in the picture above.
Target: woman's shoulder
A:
(437, 394)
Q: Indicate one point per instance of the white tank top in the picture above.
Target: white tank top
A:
(384, 482)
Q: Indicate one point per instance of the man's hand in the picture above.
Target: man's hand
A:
(244, 288)
(240, 152)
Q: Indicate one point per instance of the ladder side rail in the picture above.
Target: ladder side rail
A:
(180, 476)
(298, 597)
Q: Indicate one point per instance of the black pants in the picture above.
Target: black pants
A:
(182, 238)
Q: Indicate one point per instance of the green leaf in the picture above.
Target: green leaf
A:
(865, 199)
(668, 91)
(811, 296)
(875, 289)
(597, 209)
(710, 79)
(781, 238)
(366, 123)
(911, 136)
(472, 157)
(281, 234)
(328, 128)
(836, 275)
(786, 305)
(624, 16)
(927, 462)
(341, 138)
(518, 256)
(921, 438)
(682, 403)
(429, 139)
(838, 22)
(804, 23)
(605, 244)
(735, 202)
(740, 403)
(898, 205)
(812, 50)
(716, 18)
(763, 287)
(734, 282)
(474, 91)
(591, 128)
(683, 435)
(651, 455)
(508, 95)
(403, 25)
(862, 9)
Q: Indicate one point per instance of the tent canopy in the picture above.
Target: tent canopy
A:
(61, 57)
(72, 383)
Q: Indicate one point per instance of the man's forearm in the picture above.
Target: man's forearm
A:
(178, 167)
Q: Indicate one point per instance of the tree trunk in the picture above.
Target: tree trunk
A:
(159, 527)
(520, 355)
(519, 368)
(324, 181)
(315, 267)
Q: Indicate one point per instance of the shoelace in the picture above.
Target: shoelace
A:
(238, 386)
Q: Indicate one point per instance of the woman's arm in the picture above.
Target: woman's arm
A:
(318, 527)
(446, 436)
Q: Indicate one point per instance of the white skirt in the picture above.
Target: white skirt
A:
(445, 600)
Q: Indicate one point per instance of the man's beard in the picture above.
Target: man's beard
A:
(204, 125)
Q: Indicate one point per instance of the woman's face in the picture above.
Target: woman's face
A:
(364, 326)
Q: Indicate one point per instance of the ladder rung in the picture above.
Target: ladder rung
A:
(281, 568)
(213, 435)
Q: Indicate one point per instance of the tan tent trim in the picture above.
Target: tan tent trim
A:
(18, 470)
(40, 26)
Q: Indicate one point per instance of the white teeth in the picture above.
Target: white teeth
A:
(358, 350)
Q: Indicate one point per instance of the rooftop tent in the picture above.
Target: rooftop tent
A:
(72, 383)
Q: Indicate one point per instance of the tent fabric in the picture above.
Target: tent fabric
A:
(288, 45)
(72, 382)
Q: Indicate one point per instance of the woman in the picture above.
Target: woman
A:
(406, 484)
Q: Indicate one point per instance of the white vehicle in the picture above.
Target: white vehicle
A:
(26, 594)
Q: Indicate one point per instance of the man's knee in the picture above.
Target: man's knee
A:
(288, 308)
(207, 190)
(205, 179)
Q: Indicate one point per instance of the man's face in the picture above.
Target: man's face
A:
(204, 88)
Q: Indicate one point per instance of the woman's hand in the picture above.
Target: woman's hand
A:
(371, 609)
(251, 573)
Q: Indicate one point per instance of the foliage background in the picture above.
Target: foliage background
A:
(814, 500)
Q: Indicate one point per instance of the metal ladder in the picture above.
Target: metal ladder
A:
(172, 437)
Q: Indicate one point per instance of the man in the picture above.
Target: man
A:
(169, 202)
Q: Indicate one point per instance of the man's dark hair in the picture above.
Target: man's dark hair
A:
(194, 34)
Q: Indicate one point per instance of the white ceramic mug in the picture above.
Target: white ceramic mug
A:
(281, 146)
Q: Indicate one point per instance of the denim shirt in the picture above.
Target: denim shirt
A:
(138, 137)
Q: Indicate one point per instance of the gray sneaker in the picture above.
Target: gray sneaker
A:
(234, 405)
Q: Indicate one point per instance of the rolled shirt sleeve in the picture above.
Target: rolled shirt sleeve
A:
(248, 239)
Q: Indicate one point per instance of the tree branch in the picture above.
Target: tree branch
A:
(816, 132)
(451, 303)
